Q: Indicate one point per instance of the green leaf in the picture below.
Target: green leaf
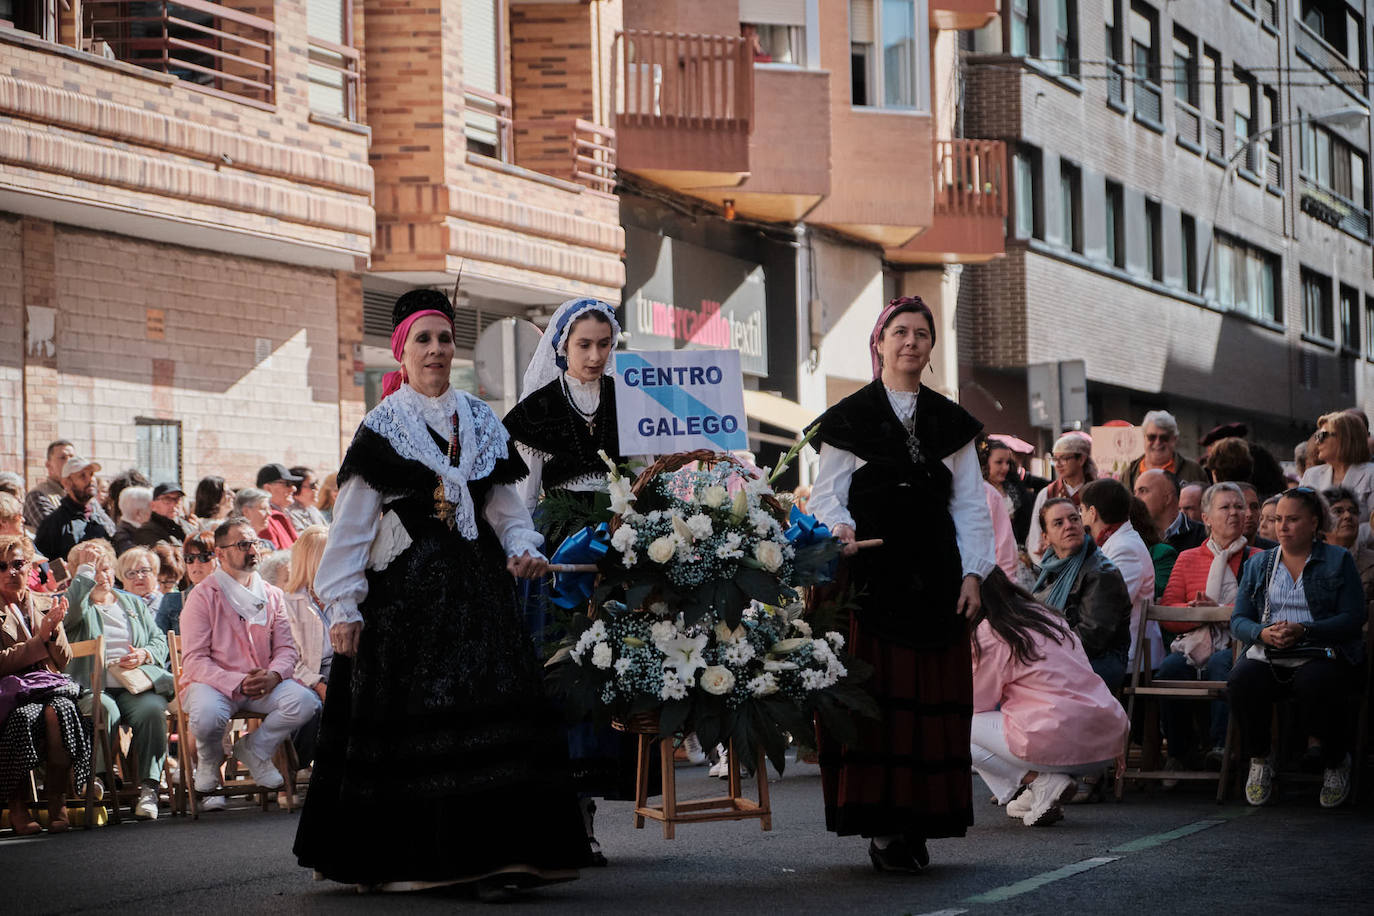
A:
(758, 584)
(637, 595)
(673, 716)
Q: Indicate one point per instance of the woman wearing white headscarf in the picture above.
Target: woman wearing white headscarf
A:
(565, 419)
(1073, 467)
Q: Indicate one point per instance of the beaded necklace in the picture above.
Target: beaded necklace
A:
(588, 418)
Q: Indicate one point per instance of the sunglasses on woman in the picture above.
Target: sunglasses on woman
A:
(198, 558)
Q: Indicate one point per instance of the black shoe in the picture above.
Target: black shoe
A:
(598, 857)
(899, 857)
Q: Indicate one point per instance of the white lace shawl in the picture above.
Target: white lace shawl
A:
(403, 418)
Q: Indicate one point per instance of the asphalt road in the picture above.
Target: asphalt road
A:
(1154, 854)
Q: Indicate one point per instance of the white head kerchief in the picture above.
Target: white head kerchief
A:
(551, 356)
(404, 418)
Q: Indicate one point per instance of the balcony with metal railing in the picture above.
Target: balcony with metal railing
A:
(970, 205)
(1337, 66)
(684, 107)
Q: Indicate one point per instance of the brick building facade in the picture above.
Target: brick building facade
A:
(1221, 291)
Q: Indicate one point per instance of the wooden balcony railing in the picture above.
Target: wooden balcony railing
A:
(681, 80)
(1326, 58)
(488, 124)
(215, 48)
(334, 79)
(970, 178)
(593, 152)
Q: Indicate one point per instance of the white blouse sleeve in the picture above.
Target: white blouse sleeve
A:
(530, 485)
(968, 504)
(1035, 538)
(341, 581)
(508, 515)
(830, 493)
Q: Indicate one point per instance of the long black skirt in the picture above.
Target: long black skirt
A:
(439, 758)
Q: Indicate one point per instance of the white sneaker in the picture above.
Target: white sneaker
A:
(262, 769)
(721, 768)
(695, 755)
(1336, 785)
(146, 809)
(214, 803)
(1046, 791)
(1020, 806)
(1260, 783)
(207, 774)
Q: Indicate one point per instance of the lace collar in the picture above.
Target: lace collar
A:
(903, 402)
(586, 396)
(404, 419)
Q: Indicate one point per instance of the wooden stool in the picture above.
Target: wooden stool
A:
(730, 807)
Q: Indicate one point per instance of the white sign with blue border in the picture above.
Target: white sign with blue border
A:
(679, 400)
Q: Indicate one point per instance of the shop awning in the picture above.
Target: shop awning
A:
(777, 411)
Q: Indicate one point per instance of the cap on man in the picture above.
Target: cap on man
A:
(1161, 441)
(165, 522)
(79, 516)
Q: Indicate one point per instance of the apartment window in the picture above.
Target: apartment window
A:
(1071, 206)
(1185, 67)
(1187, 241)
(483, 121)
(1116, 225)
(1273, 139)
(1212, 84)
(1116, 83)
(1243, 111)
(1338, 25)
(1145, 62)
(1333, 165)
(1349, 316)
(778, 28)
(1247, 278)
(34, 16)
(1066, 37)
(1317, 319)
(1369, 327)
(333, 66)
(1024, 33)
(1025, 169)
(158, 448)
(1154, 234)
(885, 59)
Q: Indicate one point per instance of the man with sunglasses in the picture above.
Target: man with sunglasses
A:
(164, 523)
(237, 655)
(1161, 453)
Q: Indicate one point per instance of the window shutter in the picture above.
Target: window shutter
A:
(773, 12)
(861, 21)
(324, 19)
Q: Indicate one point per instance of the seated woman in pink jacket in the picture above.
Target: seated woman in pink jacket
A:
(1040, 713)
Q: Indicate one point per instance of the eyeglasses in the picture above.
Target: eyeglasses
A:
(310, 486)
(14, 566)
(140, 572)
(1068, 457)
(1158, 437)
(245, 546)
(1323, 434)
(198, 558)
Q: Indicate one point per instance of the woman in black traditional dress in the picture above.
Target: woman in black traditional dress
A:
(898, 462)
(439, 761)
(565, 418)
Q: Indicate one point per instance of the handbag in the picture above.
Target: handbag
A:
(1293, 656)
(133, 680)
(1195, 646)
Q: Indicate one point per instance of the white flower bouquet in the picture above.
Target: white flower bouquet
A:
(697, 619)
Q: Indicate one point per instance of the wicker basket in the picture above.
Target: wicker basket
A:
(679, 460)
(642, 723)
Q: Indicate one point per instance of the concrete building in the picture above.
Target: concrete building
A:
(1190, 211)
(791, 165)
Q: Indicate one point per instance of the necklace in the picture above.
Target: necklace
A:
(442, 507)
(588, 418)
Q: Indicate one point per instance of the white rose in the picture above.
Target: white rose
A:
(663, 549)
(768, 554)
(700, 526)
(621, 496)
(714, 496)
(717, 680)
(835, 640)
(624, 538)
(601, 655)
(802, 627)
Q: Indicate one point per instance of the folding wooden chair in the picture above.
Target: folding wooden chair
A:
(235, 782)
(94, 649)
(1143, 685)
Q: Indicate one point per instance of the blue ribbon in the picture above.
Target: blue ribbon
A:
(805, 529)
(586, 546)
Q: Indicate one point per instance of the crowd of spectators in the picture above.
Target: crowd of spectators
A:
(230, 571)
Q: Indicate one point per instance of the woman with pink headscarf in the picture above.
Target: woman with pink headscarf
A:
(898, 462)
(434, 691)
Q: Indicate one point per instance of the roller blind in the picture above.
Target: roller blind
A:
(861, 21)
(324, 19)
(773, 12)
